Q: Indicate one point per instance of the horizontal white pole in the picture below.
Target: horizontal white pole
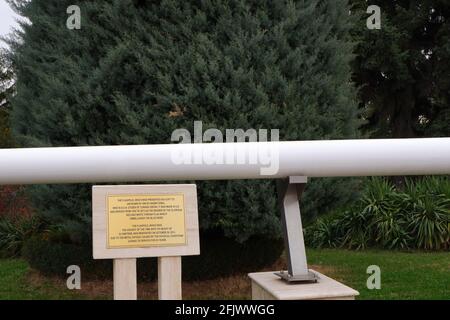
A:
(217, 161)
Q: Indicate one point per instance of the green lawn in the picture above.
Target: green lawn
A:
(14, 284)
(403, 276)
(416, 275)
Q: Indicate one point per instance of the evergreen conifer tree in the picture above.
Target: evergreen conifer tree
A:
(403, 68)
(137, 70)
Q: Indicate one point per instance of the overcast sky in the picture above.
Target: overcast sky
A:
(7, 20)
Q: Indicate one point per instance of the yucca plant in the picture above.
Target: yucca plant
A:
(354, 227)
(433, 185)
(441, 185)
(429, 217)
(429, 222)
(416, 217)
(14, 233)
(384, 208)
(324, 233)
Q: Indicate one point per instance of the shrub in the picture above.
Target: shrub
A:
(220, 256)
(52, 258)
(417, 217)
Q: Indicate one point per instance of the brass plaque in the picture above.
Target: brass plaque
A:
(141, 220)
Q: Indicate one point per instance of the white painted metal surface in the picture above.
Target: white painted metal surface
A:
(329, 158)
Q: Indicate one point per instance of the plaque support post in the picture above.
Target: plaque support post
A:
(125, 282)
(289, 192)
(169, 278)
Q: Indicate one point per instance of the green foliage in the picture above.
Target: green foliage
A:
(53, 258)
(6, 90)
(417, 217)
(430, 213)
(220, 257)
(403, 69)
(14, 234)
(137, 70)
(323, 233)
(5, 133)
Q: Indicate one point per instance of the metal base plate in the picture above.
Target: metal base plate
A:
(310, 277)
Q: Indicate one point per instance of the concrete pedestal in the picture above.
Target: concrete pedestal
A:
(268, 286)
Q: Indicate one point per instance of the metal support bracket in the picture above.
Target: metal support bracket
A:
(289, 192)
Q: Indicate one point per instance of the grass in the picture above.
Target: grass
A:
(416, 275)
(15, 284)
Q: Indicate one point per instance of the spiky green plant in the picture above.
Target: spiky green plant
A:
(385, 209)
(14, 233)
(417, 216)
(430, 223)
(324, 233)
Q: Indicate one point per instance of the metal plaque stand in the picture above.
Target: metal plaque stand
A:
(289, 192)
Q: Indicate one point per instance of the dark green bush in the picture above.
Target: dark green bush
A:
(416, 217)
(220, 256)
(52, 258)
